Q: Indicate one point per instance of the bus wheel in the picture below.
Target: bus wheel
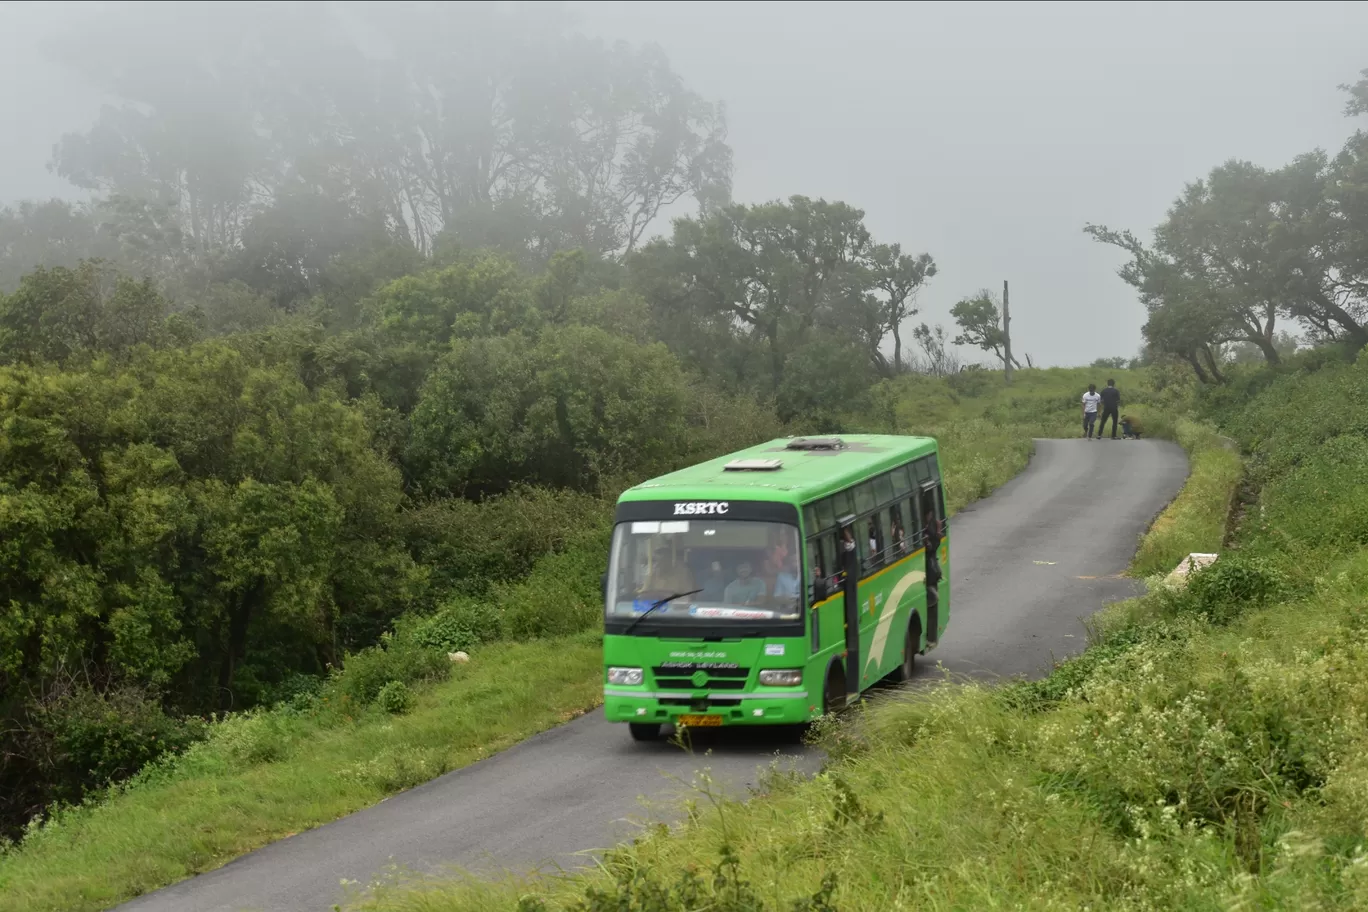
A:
(644, 731)
(834, 696)
(903, 673)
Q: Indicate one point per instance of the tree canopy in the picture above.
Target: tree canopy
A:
(1248, 247)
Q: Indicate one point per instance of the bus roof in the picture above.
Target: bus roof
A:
(803, 474)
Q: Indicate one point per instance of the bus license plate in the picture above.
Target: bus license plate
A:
(700, 721)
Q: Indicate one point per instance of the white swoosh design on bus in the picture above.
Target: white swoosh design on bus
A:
(880, 641)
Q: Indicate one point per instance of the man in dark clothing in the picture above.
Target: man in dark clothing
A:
(1111, 402)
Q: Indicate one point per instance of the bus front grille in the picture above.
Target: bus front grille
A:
(686, 684)
(681, 678)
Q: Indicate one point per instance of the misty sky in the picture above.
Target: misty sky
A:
(984, 133)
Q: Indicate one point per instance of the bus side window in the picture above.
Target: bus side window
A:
(845, 541)
(817, 584)
(918, 521)
(876, 543)
(902, 481)
(883, 488)
(930, 507)
(924, 470)
(897, 530)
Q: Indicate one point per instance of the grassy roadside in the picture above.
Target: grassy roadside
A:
(1195, 521)
(963, 797)
(1206, 753)
(257, 778)
(263, 777)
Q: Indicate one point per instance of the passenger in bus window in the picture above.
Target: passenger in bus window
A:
(931, 535)
(876, 542)
(667, 575)
(819, 580)
(847, 546)
(777, 552)
(745, 589)
(714, 583)
(896, 529)
(786, 580)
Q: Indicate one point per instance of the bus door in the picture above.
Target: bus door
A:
(849, 557)
(933, 530)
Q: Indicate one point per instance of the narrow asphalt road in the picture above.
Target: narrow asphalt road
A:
(1027, 565)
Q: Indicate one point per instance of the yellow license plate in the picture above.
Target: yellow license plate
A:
(700, 721)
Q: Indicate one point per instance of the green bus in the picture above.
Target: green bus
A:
(774, 584)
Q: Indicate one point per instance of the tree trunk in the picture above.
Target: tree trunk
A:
(1202, 377)
(1333, 312)
(897, 349)
(1211, 364)
(1269, 352)
(237, 643)
(776, 356)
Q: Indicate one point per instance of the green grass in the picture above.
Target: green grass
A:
(263, 777)
(1196, 520)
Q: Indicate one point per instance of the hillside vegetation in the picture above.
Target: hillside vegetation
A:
(402, 713)
(1204, 753)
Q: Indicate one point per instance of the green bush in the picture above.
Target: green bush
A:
(395, 698)
(253, 737)
(395, 658)
(560, 596)
(459, 625)
(84, 739)
(973, 383)
(1233, 585)
(470, 546)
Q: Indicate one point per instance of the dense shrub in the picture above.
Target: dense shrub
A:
(397, 657)
(1233, 585)
(470, 545)
(395, 698)
(460, 624)
(77, 738)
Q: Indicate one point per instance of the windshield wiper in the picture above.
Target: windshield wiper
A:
(668, 598)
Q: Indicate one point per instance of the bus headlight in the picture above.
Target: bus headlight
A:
(781, 677)
(624, 676)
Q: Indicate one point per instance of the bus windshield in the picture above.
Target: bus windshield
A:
(718, 571)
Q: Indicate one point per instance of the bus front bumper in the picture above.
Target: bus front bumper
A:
(778, 708)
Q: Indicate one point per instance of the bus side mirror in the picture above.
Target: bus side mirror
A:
(603, 584)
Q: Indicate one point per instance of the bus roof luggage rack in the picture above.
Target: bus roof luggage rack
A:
(752, 465)
(815, 443)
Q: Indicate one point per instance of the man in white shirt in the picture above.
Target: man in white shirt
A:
(1090, 401)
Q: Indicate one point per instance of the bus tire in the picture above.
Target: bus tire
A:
(644, 731)
(903, 673)
(834, 694)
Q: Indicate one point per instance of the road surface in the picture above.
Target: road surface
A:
(1028, 563)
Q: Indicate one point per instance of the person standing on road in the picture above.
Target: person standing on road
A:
(1111, 402)
(1090, 401)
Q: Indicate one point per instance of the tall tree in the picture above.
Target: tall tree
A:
(898, 277)
(770, 272)
(938, 359)
(980, 321)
